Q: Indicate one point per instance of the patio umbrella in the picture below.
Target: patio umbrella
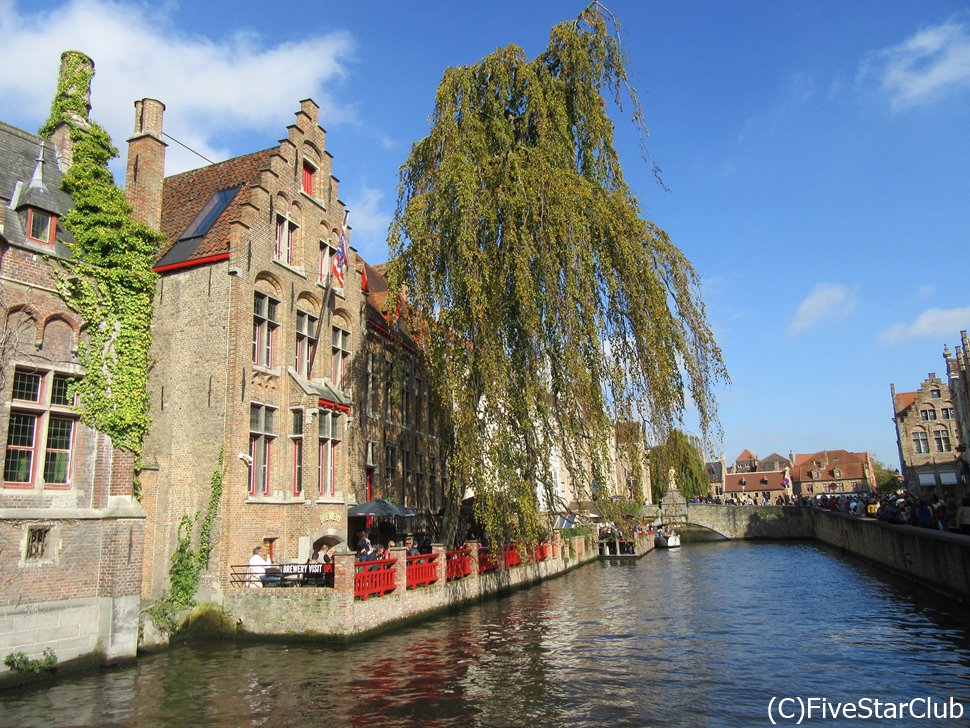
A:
(328, 541)
(381, 507)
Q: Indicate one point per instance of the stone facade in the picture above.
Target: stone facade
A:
(927, 437)
(829, 472)
(71, 533)
(958, 372)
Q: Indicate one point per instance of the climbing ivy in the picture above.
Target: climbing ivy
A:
(188, 563)
(109, 279)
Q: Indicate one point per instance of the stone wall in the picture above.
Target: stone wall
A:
(325, 613)
(753, 522)
(939, 560)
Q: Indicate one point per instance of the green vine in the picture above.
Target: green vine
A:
(109, 281)
(19, 662)
(188, 563)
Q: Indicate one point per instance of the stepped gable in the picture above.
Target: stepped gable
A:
(184, 195)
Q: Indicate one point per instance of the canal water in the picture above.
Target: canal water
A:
(705, 635)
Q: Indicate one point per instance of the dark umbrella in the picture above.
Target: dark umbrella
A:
(327, 541)
(381, 508)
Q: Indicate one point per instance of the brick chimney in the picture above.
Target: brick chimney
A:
(146, 163)
(80, 67)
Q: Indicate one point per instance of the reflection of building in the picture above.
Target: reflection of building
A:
(830, 472)
(958, 371)
(926, 435)
(71, 533)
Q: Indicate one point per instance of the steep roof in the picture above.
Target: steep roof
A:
(746, 455)
(851, 464)
(904, 400)
(185, 195)
(32, 162)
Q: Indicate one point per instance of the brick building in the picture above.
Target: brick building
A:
(829, 472)
(71, 533)
(927, 436)
(958, 372)
(317, 402)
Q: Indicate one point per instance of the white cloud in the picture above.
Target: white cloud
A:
(827, 301)
(937, 322)
(369, 222)
(925, 66)
(211, 88)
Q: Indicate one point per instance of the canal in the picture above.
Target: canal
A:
(702, 636)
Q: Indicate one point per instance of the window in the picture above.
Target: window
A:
(306, 342)
(419, 405)
(38, 539)
(39, 225)
(928, 415)
(261, 435)
(340, 352)
(40, 430)
(326, 254)
(265, 324)
(947, 413)
(388, 388)
(371, 385)
(920, 442)
(390, 468)
(408, 478)
(407, 397)
(935, 393)
(307, 181)
(942, 440)
(296, 439)
(329, 446)
(286, 232)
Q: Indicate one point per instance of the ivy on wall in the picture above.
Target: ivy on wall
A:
(109, 280)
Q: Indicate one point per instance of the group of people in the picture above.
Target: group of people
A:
(263, 572)
(379, 552)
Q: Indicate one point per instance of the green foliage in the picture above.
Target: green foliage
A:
(887, 480)
(553, 308)
(109, 280)
(624, 513)
(188, 563)
(19, 662)
(679, 453)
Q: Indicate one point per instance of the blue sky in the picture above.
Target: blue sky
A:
(815, 153)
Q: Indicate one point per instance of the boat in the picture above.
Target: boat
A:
(666, 538)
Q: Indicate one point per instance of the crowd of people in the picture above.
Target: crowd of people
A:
(947, 512)
(366, 551)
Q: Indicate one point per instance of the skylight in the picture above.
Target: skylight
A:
(209, 213)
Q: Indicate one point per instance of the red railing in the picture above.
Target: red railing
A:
(486, 561)
(543, 551)
(512, 556)
(422, 570)
(459, 563)
(374, 577)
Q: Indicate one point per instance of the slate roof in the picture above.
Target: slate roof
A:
(184, 195)
(40, 186)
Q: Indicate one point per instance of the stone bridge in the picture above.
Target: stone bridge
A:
(741, 522)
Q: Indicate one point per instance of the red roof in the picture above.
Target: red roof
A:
(851, 465)
(746, 455)
(903, 400)
(754, 482)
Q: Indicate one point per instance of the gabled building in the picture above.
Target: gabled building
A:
(958, 372)
(832, 472)
(746, 462)
(927, 436)
(71, 533)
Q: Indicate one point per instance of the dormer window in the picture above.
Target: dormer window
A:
(935, 393)
(40, 226)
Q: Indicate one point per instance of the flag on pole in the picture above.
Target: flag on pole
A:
(338, 264)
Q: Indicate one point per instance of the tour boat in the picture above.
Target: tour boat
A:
(666, 538)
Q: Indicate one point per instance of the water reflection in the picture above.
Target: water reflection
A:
(703, 636)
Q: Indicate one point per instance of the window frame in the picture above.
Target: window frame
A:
(306, 342)
(296, 440)
(32, 214)
(261, 440)
(339, 355)
(265, 329)
(941, 437)
(286, 238)
(920, 442)
(329, 439)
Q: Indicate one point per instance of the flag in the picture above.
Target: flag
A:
(363, 278)
(338, 264)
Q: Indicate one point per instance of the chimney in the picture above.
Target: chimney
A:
(73, 100)
(146, 163)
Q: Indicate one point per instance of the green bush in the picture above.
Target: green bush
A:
(19, 662)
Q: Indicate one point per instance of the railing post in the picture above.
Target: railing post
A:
(343, 573)
(400, 567)
(441, 561)
(556, 545)
(472, 547)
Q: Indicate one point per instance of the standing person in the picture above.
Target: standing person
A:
(257, 567)
(963, 517)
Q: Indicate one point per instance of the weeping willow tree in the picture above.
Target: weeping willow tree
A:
(548, 307)
(681, 459)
